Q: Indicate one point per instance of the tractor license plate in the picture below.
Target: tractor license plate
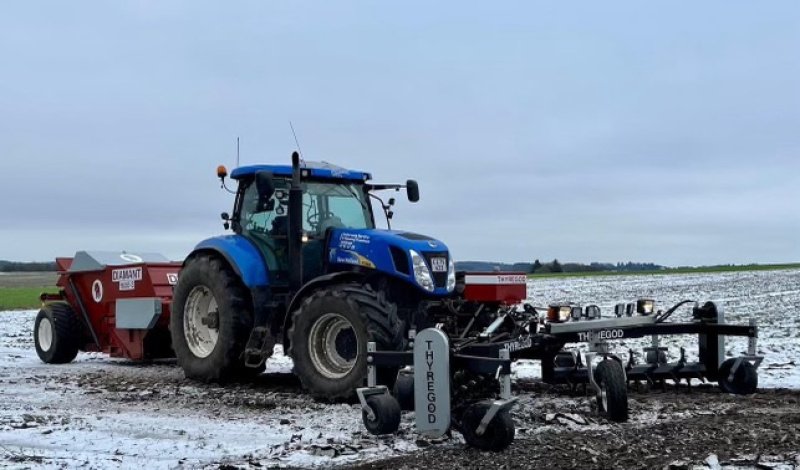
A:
(439, 265)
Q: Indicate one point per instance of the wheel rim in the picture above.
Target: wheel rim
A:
(199, 314)
(45, 334)
(333, 346)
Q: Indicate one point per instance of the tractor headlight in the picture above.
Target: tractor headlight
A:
(451, 276)
(645, 306)
(558, 313)
(422, 274)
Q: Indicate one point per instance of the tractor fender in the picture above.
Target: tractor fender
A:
(308, 288)
(241, 254)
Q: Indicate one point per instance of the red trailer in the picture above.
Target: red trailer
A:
(116, 303)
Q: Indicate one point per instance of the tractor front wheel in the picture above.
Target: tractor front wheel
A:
(211, 320)
(56, 334)
(329, 336)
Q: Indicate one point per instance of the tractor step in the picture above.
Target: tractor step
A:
(259, 347)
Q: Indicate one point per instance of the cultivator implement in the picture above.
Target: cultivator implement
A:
(466, 379)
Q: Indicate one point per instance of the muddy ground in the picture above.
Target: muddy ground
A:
(103, 413)
(175, 422)
(697, 429)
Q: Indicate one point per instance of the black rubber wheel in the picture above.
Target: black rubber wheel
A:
(564, 359)
(498, 434)
(216, 356)
(404, 390)
(613, 398)
(387, 414)
(57, 333)
(329, 334)
(745, 379)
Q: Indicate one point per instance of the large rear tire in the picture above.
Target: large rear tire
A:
(57, 333)
(211, 320)
(329, 335)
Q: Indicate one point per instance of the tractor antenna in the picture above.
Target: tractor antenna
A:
(237, 152)
(296, 141)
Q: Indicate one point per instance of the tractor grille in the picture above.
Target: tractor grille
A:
(439, 277)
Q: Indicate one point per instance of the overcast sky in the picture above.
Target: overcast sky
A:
(602, 131)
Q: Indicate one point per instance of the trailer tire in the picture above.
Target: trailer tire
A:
(498, 435)
(404, 390)
(218, 360)
(56, 333)
(613, 397)
(745, 380)
(328, 365)
(387, 414)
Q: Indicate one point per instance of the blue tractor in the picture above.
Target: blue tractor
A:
(305, 266)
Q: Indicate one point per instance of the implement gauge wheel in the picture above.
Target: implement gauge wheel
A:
(498, 434)
(329, 334)
(613, 397)
(744, 381)
(404, 390)
(56, 333)
(211, 320)
(386, 412)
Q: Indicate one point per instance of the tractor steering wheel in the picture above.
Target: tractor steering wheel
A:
(315, 218)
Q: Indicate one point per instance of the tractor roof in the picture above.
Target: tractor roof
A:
(321, 170)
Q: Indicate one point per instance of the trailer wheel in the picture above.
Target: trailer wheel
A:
(404, 390)
(498, 434)
(211, 319)
(613, 397)
(56, 333)
(745, 379)
(387, 414)
(329, 335)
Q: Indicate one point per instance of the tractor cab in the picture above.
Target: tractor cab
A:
(331, 198)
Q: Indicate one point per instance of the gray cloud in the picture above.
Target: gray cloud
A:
(537, 131)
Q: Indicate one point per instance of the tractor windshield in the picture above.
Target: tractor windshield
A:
(327, 205)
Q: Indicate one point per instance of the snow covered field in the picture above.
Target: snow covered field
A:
(104, 413)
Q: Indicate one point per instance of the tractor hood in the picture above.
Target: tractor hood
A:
(418, 259)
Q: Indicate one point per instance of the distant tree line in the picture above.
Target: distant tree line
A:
(19, 267)
(537, 267)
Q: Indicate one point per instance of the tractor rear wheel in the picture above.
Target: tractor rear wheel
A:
(613, 397)
(329, 334)
(57, 333)
(211, 320)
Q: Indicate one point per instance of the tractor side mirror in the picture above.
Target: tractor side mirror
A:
(412, 189)
(265, 188)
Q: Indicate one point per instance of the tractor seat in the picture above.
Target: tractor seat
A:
(330, 222)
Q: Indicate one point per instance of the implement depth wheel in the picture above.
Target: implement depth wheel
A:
(613, 397)
(498, 435)
(329, 334)
(386, 413)
(57, 334)
(744, 380)
(211, 320)
(404, 390)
